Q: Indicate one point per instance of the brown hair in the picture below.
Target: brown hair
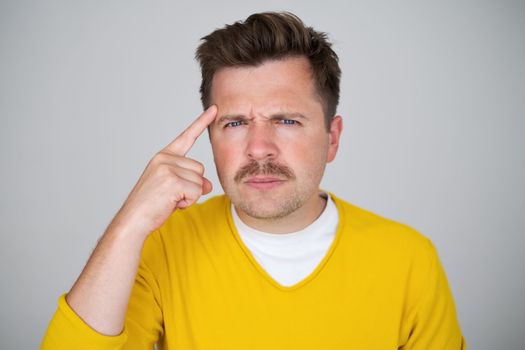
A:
(267, 36)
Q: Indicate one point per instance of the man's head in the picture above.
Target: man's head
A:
(271, 36)
(271, 138)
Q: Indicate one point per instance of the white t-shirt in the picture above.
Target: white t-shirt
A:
(290, 257)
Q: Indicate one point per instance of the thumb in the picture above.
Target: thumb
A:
(206, 186)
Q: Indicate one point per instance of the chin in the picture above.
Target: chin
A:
(268, 209)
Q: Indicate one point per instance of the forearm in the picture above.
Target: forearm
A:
(101, 293)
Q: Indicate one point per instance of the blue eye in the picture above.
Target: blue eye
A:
(233, 124)
(288, 121)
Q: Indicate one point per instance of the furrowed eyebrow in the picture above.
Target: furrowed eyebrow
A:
(287, 116)
(236, 117)
(231, 117)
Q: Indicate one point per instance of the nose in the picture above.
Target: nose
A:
(261, 143)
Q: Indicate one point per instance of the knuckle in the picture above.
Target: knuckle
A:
(199, 167)
(193, 165)
(158, 158)
(193, 190)
(201, 181)
(165, 171)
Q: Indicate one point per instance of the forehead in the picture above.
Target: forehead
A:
(275, 84)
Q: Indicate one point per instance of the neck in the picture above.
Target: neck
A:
(295, 221)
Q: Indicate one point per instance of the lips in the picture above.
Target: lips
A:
(264, 182)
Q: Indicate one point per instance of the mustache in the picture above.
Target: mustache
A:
(255, 168)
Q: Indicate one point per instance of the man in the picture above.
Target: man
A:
(275, 263)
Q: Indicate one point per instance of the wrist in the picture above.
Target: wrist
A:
(127, 229)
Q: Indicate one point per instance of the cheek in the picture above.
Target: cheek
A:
(316, 161)
(314, 150)
(225, 156)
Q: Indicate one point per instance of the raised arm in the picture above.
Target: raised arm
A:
(171, 180)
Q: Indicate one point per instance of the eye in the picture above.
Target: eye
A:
(288, 122)
(233, 124)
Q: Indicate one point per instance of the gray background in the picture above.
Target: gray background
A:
(433, 105)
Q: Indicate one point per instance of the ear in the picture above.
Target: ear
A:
(336, 127)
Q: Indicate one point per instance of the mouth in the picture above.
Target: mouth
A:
(264, 182)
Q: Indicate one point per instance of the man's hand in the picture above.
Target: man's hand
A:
(101, 293)
(170, 181)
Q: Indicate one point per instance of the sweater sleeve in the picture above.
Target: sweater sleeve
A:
(435, 325)
(68, 331)
(143, 325)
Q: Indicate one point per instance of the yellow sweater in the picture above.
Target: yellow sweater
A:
(380, 286)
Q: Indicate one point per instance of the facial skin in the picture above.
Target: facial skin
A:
(270, 143)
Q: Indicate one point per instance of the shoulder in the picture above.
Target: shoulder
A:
(375, 233)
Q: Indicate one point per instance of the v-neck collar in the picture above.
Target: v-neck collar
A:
(263, 273)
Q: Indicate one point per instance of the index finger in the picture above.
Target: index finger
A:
(183, 143)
